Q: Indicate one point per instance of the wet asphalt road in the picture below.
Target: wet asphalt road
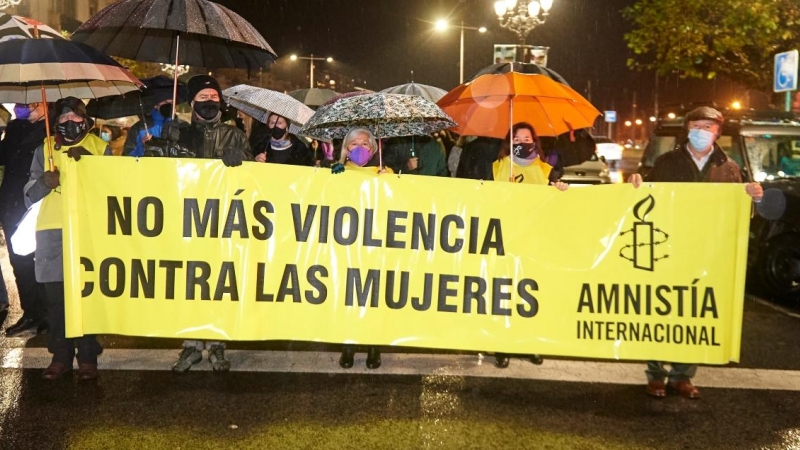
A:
(156, 409)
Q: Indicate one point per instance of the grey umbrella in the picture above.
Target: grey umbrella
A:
(313, 97)
(430, 93)
(259, 103)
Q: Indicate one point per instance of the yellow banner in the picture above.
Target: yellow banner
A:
(192, 249)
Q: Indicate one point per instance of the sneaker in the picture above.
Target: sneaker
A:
(216, 356)
(189, 356)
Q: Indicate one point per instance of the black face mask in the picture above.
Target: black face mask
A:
(524, 150)
(71, 130)
(277, 132)
(165, 110)
(207, 110)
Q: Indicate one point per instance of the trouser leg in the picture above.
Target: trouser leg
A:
(656, 371)
(63, 349)
(682, 372)
(196, 344)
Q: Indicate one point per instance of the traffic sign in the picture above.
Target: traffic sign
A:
(611, 116)
(785, 72)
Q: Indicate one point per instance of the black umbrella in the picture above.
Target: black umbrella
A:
(206, 34)
(521, 68)
(190, 32)
(157, 89)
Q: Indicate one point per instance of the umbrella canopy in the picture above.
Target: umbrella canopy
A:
(18, 27)
(491, 104)
(529, 68)
(385, 115)
(64, 68)
(429, 93)
(259, 103)
(338, 97)
(157, 89)
(313, 97)
(206, 34)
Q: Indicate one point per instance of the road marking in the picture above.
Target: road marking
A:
(419, 365)
(776, 307)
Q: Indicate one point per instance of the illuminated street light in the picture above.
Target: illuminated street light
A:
(736, 105)
(652, 118)
(311, 60)
(442, 25)
(628, 123)
(671, 115)
(638, 121)
(522, 18)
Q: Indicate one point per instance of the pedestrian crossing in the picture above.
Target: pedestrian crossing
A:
(416, 364)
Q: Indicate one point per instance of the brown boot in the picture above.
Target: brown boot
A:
(87, 371)
(685, 388)
(55, 371)
(656, 388)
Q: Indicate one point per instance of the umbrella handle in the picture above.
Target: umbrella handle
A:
(51, 165)
(175, 78)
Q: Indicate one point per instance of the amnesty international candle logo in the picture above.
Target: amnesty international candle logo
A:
(642, 250)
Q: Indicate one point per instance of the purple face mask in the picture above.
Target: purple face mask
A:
(360, 155)
(21, 111)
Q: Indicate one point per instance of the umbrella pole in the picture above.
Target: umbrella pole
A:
(511, 139)
(175, 77)
(47, 129)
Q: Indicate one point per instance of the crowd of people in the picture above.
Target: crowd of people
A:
(522, 157)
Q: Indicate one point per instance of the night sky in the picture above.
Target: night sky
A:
(384, 40)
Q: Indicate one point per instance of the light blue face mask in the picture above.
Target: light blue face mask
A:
(105, 136)
(701, 139)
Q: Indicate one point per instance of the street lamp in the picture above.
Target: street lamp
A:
(522, 18)
(311, 60)
(442, 25)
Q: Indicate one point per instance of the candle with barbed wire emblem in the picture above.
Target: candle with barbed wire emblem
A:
(646, 237)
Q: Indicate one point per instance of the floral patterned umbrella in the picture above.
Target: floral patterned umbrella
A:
(385, 115)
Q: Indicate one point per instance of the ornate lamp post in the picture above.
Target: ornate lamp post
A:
(522, 18)
(311, 60)
(7, 3)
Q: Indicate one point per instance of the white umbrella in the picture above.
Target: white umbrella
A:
(260, 103)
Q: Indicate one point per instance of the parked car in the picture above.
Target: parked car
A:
(766, 145)
(592, 171)
(608, 150)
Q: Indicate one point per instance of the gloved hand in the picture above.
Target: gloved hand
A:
(337, 168)
(76, 152)
(51, 179)
(171, 131)
(232, 157)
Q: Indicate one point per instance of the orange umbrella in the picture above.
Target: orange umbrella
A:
(490, 104)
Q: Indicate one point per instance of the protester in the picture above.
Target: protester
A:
(525, 157)
(160, 91)
(454, 157)
(283, 147)
(697, 160)
(23, 136)
(360, 152)
(73, 138)
(207, 137)
(418, 155)
(115, 136)
(477, 157)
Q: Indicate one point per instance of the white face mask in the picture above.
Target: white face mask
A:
(701, 140)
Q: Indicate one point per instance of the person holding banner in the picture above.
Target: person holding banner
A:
(360, 152)
(207, 137)
(72, 137)
(697, 160)
(524, 161)
(23, 136)
(528, 167)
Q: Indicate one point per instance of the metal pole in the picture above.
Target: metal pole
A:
(461, 63)
(788, 100)
(311, 59)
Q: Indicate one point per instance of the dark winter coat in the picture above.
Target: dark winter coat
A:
(211, 139)
(16, 153)
(677, 166)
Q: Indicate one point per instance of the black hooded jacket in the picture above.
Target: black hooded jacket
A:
(16, 153)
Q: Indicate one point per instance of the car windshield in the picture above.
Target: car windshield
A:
(773, 156)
